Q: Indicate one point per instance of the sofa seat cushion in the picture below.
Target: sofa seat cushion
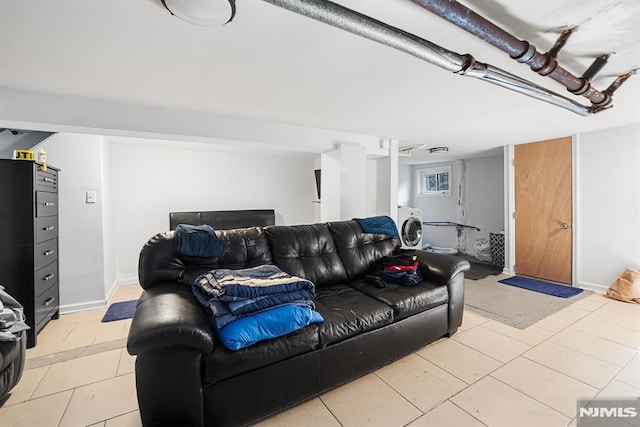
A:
(405, 300)
(348, 312)
(222, 363)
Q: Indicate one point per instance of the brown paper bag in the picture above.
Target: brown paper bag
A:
(626, 287)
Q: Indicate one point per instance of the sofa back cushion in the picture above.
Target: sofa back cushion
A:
(160, 262)
(307, 251)
(243, 248)
(358, 250)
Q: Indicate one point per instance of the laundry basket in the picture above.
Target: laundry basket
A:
(496, 241)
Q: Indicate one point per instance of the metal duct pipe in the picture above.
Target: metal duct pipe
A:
(372, 29)
(356, 23)
(507, 80)
(520, 50)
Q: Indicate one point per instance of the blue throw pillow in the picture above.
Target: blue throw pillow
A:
(197, 241)
(272, 323)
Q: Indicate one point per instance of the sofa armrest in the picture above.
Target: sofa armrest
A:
(442, 267)
(447, 270)
(169, 316)
(169, 333)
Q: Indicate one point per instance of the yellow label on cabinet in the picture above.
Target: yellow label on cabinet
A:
(23, 155)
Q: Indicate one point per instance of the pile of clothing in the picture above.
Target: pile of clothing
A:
(403, 269)
(253, 304)
(11, 317)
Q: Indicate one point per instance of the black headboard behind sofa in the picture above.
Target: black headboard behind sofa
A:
(224, 220)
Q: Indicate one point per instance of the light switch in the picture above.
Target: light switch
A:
(91, 196)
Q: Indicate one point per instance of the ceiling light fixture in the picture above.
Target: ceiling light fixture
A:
(406, 151)
(202, 12)
(438, 150)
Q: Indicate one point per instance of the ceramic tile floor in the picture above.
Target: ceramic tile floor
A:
(490, 374)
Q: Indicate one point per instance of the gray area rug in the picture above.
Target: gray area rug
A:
(512, 306)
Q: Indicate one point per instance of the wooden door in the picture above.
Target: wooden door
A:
(543, 219)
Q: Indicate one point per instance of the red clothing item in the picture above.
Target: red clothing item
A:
(402, 267)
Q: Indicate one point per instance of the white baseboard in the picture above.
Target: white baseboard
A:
(127, 281)
(111, 291)
(118, 283)
(599, 289)
(82, 306)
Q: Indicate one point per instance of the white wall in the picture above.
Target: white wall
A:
(484, 198)
(353, 181)
(608, 205)
(108, 225)
(80, 243)
(437, 208)
(386, 182)
(405, 185)
(139, 182)
(373, 172)
(149, 179)
(477, 199)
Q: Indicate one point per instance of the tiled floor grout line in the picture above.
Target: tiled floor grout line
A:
(113, 418)
(39, 382)
(528, 395)
(329, 409)
(465, 411)
(533, 361)
(73, 388)
(567, 375)
(398, 391)
(598, 336)
(66, 408)
(591, 355)
(451, 373)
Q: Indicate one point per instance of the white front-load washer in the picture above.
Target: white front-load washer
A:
(410, 227)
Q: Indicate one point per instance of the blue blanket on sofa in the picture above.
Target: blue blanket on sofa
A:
(267, 324)
(378, 225)
(233, 285)
(231, 294)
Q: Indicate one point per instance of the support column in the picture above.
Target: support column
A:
(344, 182)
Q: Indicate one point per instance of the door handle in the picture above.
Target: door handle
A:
(564, 225)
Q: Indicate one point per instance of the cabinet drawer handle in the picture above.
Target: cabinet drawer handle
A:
(48, 204)
(48, 277)
(49, 301)
(48, 228)
(48, 179)
(47, 253)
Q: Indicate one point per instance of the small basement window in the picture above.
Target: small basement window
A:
(434, 181)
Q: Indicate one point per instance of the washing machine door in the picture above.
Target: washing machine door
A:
(412, 232)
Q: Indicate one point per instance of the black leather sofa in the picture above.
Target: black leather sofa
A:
(185, 377)
(12, 359)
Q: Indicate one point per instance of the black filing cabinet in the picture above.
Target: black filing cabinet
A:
(29, 240)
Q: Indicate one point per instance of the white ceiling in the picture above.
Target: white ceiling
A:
(271, 64)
